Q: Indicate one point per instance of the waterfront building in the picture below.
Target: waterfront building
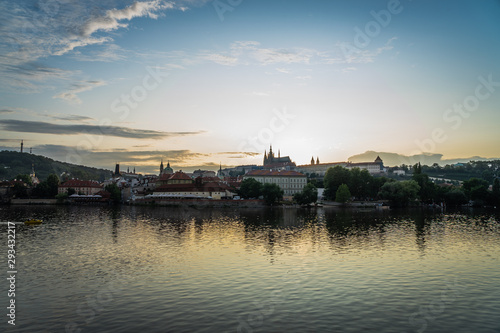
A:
(87, 187)
(200, 188)
(290, 182)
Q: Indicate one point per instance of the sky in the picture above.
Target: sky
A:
(201, 83)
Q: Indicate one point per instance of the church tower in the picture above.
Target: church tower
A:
(22, 144)
(161, 166)
(312, 160)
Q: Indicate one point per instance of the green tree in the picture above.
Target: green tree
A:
(19, 191)
(71, 191)
(52, 185)
(400, 193)
(343, 194)
(114, 190)
(308, 195)
(272, 193)
(25, 178)
(496, 192)
(476, 190)
(455, 197)
(250, 188)
(334, 177)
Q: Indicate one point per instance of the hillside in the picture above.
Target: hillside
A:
(13, 163)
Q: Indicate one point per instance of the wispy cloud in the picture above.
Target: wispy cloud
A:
(69, 117)
(35, 30)
(76, 88)
(113, 18)
(73, 129)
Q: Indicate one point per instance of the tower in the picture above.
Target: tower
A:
(317, 160)
(161, 166)
(117, 170)
(22, 146)
(312, 160)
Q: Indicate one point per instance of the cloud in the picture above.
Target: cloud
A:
(111, 20)
(70, 117)
(220, 59)
(35, 30)
(76, 88)
(73, 129)
(145, 160)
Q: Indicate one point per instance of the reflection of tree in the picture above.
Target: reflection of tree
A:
(420, 231)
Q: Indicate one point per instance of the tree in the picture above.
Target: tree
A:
(52, 185)
(476, 190)
(308, 195)
(496, 192)
(334, 177)
(272, 193)
(400, 193)
(116, 194)
(25, 178)
(19, 191)
(250, 188)
(455, 197)
(343, 194)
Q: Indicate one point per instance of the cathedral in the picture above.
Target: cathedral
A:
(271, 161)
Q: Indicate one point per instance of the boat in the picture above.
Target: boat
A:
(33, 221)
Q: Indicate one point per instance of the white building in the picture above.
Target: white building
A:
(290, 182)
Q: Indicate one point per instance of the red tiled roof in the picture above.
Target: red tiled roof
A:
(80, 183)
(179, 175)
(275, 173)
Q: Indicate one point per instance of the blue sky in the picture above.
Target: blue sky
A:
(206, 82)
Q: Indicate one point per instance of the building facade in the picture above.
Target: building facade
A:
(86, 187)
(290, 182)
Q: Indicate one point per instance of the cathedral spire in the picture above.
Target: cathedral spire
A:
(161, 166)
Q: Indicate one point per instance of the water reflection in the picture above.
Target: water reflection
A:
(205, 268)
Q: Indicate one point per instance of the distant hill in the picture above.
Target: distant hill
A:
(394, 159)
(13, 163)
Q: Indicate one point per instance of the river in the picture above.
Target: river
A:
(166, 269)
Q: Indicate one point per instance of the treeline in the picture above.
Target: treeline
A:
(342, 184)
(487, 170)
(13, 163)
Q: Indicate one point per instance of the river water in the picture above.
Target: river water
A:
(159, 269)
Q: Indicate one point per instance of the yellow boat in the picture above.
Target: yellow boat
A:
(33, 221)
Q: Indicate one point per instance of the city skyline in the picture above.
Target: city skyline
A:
(206, 82)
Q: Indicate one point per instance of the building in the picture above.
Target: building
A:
(376, 167)
(200, 188)
(86, 187)
(319, 168)
(290, 182)
(277, 163)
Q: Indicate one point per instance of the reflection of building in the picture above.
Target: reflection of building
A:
(273, 162)
(86, 187)
(290, 182)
